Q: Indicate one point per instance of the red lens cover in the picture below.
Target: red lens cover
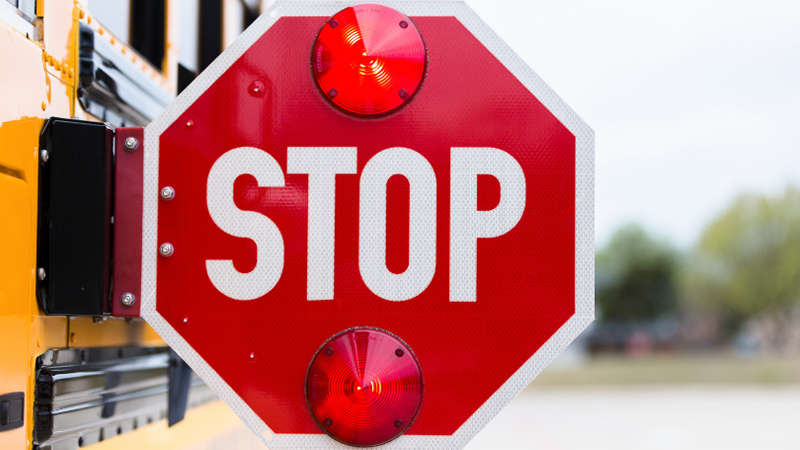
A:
(364, 387)
(369, 60)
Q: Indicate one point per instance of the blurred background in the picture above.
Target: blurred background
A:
(696, 107)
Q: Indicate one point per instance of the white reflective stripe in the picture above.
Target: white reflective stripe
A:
(467, 224)
(321, 164)
(245, 224)
(422, 224)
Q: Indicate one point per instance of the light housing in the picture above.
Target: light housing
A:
(369, 60)
(364, 387)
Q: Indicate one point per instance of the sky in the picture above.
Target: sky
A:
(692, 102)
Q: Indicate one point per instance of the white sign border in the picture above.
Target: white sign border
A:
(584, 223)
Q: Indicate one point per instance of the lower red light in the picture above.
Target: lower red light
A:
(369, 60)
(364, 387)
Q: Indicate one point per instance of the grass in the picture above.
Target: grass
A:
(674, 369)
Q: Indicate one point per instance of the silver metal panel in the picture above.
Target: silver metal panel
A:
(85, 396)
(121, 87)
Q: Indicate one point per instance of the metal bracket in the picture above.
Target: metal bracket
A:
(179, 376)
(90, 219)
(128, 198)
(74, 236)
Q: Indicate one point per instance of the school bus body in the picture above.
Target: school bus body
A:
(39, 79)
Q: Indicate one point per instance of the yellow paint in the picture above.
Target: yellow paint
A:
(23, 84)
(208, 427)
(60, 33)
(23, 331)
(42, 83)
(14, 323)
(84, 332)
(59, 98)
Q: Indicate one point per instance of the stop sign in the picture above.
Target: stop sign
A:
(460, 223)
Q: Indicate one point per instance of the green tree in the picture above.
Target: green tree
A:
(636, 277)
(747, 261)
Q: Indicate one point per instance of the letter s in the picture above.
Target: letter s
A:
(245, 224)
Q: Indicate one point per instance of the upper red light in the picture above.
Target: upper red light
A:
(364, 387)
(369, 60)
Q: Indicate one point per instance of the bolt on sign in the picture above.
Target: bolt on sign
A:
(368, 225)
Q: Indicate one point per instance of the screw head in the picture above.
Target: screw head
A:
(127, 299)
(398, 423)
(131, 144)
(41, 273)
(329, 351)
(166, 250)
(399, 353)
(45, 155)
(327, 422)
(167, 193)
(257, 88)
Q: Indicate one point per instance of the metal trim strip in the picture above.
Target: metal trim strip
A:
(17, 20)
(86, 395)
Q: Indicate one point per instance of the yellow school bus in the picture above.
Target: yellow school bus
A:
(69, 377)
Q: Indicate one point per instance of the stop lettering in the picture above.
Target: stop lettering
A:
(385, 257)
(322, 164)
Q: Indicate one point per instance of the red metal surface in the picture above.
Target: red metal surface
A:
(364, 387)
(262, 347)
(369, 59)
(128, 185)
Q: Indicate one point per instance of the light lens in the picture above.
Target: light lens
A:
(364, 387)
(369, 60)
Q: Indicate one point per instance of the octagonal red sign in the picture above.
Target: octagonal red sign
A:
(461, 223)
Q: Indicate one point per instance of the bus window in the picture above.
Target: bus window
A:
(114, 15)
(190, 16)
(210, 38)
(233, 21)
(148, 26)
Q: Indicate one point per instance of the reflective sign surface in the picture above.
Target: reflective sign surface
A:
(451, 224)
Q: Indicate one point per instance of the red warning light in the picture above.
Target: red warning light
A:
(364, 387)
(369, 60)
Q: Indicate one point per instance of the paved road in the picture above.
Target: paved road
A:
(647, 418)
